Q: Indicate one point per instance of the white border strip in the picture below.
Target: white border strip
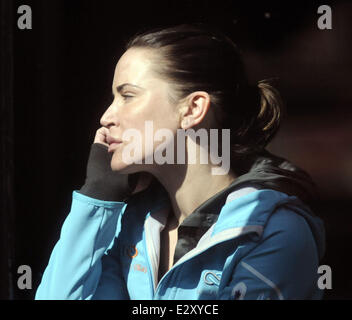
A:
(266, 280)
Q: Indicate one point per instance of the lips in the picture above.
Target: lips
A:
(113, 143)
(111, 140)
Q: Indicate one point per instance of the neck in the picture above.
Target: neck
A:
(189, 185)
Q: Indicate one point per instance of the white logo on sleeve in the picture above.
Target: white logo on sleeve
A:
(239, 291)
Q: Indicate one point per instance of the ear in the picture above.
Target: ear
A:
(194, 108)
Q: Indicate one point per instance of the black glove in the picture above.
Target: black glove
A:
(101, 182)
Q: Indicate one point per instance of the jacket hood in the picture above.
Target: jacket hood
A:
(265, 170)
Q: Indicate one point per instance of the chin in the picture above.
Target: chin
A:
(117, 164)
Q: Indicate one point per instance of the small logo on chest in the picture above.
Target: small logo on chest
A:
(139, 267)
(131, 251)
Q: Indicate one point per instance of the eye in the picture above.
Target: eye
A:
(126, 96)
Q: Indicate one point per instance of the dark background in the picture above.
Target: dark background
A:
(56, 83)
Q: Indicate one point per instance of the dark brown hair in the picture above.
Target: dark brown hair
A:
(197, 57)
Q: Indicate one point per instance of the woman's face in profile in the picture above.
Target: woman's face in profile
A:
(139, 96)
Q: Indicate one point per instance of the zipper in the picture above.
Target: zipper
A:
(150, 273)
(152, 264)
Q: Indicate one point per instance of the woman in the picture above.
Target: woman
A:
(144, 229)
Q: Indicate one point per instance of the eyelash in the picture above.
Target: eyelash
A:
(126, 97)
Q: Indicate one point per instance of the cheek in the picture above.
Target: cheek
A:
(149, 116)
(154, 108)
(163, 114)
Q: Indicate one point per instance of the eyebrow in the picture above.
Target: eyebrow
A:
(122, 86)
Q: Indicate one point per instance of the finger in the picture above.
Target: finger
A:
(100, 136)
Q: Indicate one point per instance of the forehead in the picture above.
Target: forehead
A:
(134, 66)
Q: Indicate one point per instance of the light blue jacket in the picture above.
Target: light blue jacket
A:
(265, 244)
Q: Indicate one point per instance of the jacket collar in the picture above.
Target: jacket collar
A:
(260, 171)
(197, 224)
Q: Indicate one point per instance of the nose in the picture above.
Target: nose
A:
(109, 117)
